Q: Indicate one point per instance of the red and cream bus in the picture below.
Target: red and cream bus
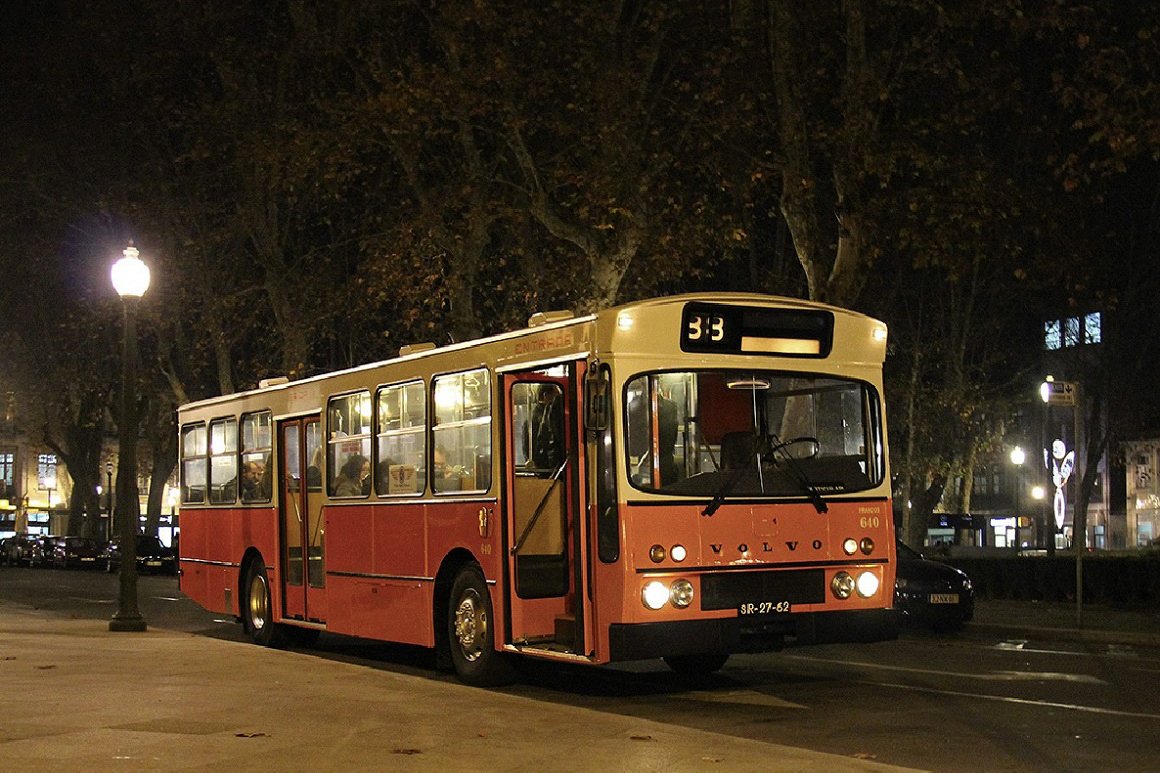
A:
(682, 478)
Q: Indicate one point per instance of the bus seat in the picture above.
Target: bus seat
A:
(737, 450)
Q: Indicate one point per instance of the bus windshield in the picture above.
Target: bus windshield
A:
(737, 434)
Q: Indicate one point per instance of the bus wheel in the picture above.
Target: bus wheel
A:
(471, 634)
(257, 609)
(700, 664)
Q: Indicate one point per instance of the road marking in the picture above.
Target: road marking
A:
(740, 697)
(1023, 701)
(993, 676)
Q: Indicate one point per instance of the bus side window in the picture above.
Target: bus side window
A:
(462, 432)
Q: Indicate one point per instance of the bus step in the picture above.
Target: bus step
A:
(565, 629)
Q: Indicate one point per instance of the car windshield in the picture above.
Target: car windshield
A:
(906, 551)
(727, 434)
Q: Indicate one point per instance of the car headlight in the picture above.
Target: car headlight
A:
(654, 595)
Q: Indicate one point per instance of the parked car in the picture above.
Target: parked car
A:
(69, 552)
(932, 593)
(24, 549)
(152, 556)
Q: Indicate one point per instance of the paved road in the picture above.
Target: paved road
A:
(967, 702)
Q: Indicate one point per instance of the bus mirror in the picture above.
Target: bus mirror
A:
(596, 400)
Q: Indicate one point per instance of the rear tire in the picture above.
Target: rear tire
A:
(699, 665)
(258, 609)
(471, 632)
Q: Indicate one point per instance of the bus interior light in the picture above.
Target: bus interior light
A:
(867, 546)
(842, 585)
(681, 593)
(656, 553)
(867, 584)
(849, 546)
(678, 553)
(654, 595)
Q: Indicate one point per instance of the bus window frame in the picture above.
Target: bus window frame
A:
(333, 468)
(435, 428)
(211, 456)
(265, 452)
(203, 457)
(378, 433)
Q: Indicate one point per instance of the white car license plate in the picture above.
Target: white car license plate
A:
(152, 563)
(944, 598)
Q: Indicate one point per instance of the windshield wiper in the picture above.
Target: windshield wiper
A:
(791, 462)
(775, 450)
(735, 475)
(719, 498)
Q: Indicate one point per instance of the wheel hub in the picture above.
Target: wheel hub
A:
(470, 625)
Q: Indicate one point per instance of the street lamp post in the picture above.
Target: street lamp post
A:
(109, 489)
(1039, 494)
(1017, 459)
(131, 279)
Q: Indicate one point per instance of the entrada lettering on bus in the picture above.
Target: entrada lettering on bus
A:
(564, 492)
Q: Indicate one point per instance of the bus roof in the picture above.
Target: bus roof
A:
(554, 321)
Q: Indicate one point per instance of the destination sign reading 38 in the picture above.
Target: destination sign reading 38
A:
(723, 328)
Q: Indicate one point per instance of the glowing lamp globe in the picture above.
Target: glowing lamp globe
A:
(130, 274)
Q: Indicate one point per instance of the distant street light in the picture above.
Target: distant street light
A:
(131, 279)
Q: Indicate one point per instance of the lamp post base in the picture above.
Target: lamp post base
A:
(128, 625)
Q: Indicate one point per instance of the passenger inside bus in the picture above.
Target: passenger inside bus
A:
(314, 470)
(354, 478)
(252, 474)
(547, 431)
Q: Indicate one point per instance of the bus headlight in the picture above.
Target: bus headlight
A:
(842, 585)
(681, 593)
(849, 545)
(654, 595)
(656, 553)
(867, 546)
(867, 584)
(678, 553)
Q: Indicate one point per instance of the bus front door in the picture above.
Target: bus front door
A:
(546, 592)
(303, 557)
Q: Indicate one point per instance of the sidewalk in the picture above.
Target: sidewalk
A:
(1031, 619)
(81, 698)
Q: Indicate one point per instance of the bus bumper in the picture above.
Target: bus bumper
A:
(639, 641)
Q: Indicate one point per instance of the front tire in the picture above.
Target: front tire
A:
(258, 608)
(471, 632)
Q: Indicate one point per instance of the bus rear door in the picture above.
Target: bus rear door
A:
(303, 567)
